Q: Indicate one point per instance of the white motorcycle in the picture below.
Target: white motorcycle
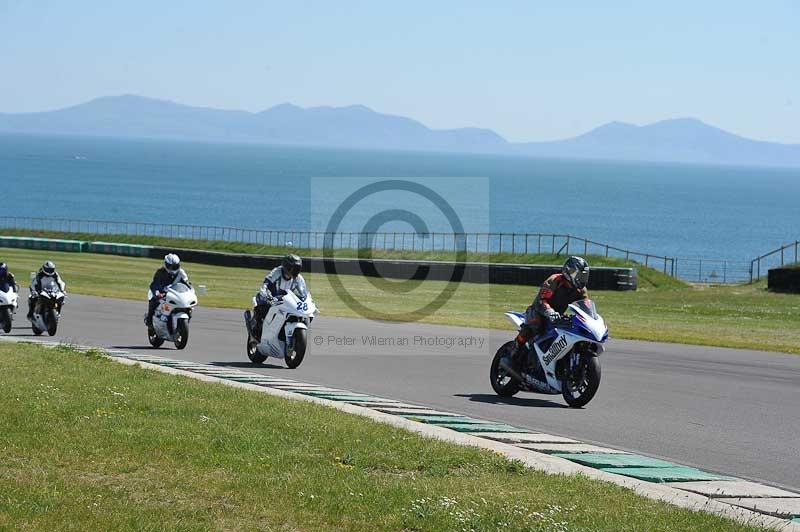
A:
(563, 360)
(48, 307)
(9, 302)
(284, 333)
(172, 315)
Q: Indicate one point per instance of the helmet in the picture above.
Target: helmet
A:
(292, 264)
(172, 263)
(3, 269)
(48, 268)
(576, 270)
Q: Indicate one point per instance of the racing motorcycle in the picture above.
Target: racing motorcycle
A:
(284, 333)
(48, 307)
(563, 360)
(172, 315)
(8, 306)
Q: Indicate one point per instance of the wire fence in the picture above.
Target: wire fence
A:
(489, 243)
(700, 270)
(784, 255)
(712, 271)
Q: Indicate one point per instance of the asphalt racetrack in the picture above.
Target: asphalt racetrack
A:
(730, 411)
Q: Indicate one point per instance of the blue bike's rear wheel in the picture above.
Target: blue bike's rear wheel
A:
(503, 384)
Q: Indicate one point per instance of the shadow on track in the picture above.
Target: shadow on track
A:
(515, 401)
(147, 347)
(250, 365)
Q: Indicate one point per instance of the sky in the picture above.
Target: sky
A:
(529, 71)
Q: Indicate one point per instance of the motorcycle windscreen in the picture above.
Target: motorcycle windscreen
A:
(179, 288)
(299, 289)
(588, 307)
(49, 284)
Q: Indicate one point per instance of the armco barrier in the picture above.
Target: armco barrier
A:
(110, 248)
(602, 278)
(49, 244)
(784, 280)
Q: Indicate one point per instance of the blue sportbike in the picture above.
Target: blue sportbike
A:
(563, 360)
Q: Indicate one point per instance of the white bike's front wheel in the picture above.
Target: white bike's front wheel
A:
(181, 334)
(298, 352)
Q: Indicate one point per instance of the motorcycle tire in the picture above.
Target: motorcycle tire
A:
(5, 319)
(181, 334)
(252, 351)
(154, 339)
(294, 358)
(501, 386)
(587, 388)
(52, 322)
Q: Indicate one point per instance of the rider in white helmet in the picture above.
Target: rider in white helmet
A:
(168, 274)
(48, 270)
(277, 283)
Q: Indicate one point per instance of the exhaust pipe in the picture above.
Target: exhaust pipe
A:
(511, 371)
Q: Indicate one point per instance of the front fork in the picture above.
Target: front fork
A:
(570, 366)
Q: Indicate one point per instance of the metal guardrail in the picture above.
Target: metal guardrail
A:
(690, 269)
(786, 254)
(522, 243)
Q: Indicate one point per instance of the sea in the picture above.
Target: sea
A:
(680, 210)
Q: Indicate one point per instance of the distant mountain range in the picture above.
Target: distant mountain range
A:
(356, 126)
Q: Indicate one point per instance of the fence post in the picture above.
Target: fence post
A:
(606, 250)
(782, 248)
(568, 237)
(700, 271)
(513, 242)
(553, 251)
(526, 244)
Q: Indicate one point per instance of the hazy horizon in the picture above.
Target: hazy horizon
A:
(355, 104)
(528, 72)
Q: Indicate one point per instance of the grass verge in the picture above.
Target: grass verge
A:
(743, 316)
(648, 277)
(91, 444)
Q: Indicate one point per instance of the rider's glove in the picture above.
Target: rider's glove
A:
(553, 316)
